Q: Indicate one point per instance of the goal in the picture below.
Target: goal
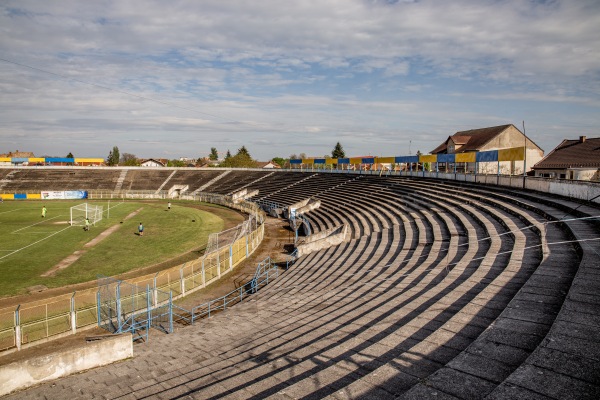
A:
(82, 211)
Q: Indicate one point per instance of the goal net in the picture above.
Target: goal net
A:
(82, 211)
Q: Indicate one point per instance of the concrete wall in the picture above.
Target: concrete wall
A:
(313, 205)
(323, 240)
(92, 354)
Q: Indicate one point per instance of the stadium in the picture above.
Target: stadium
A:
(408, 284)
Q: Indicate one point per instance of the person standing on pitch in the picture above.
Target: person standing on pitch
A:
(87, 224)
(141, 229)
(44, 211)
(169, 205)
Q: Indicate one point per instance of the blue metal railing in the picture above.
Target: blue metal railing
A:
(264, 271)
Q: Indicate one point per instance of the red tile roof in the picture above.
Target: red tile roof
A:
(577, 153)
(471, 140)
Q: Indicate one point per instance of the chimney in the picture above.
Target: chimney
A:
(582, 139)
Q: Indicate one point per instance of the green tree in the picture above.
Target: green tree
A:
(279, 161)
(243, 151)
(338, 151)
(70, 155)
(175, 163)
(113, 157)
(129, 160)
(241, 160)
(214, 155)
(228, 155)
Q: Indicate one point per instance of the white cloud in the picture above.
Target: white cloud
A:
(380, 71)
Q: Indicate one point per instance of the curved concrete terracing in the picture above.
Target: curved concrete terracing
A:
(444, 290)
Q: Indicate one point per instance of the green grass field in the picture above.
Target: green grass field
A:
(31, 245)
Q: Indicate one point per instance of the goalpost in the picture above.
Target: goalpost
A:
(82, 211)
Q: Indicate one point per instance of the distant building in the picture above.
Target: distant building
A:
(151, 162)
(267, 165)
(16, 158)
(492, 138)
(572, 159)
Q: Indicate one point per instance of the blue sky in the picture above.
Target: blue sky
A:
(173, 79)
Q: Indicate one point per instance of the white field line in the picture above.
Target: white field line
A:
(36, 242)
(16, 209)
(112, 206)
(41, 222)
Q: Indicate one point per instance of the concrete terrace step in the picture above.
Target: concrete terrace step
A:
(444, 292)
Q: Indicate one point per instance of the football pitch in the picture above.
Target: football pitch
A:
(48, 251)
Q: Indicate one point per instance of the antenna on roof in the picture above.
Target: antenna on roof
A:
(524, 154)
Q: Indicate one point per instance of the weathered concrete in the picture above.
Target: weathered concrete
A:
(310, 206)
(323, 240)
(243, 194)
(26, 373)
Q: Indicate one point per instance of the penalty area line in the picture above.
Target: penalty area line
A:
(37, 223)
(16, 209)
(36, 242)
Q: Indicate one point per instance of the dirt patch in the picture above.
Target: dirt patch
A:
(274, 245)
(68, 261)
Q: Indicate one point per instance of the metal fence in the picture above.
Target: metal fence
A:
(66, 314)
(125, 307)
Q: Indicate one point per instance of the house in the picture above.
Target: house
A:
(267, 165)
(16, 158)
(492, 138)
(572, 159)
(151, 162)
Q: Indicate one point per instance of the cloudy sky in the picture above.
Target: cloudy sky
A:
(172, 79)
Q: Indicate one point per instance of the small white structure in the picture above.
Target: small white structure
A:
(151, 163)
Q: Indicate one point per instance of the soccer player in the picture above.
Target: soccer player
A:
(87, 224)
(141, 229)
(44, 211)
(169, 205)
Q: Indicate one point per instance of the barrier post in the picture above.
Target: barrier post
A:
(182, 281)
(149, 311)
(118, 303)
(218, 264)
(73, 315)
(155, 291)
(98, 306)
(18, 328)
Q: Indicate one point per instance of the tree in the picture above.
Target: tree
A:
(228, 155)
(113, 157)
(175, 163)
(243, 151)
(338, 151)
(302, 156)
(241, 160)
(214, 155)
(279, 161)
(129, 160)
(70, 155)
(293, 157)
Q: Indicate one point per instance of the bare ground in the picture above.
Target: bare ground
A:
(77, 254)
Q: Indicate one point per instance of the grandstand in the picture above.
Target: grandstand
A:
(442, 289)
